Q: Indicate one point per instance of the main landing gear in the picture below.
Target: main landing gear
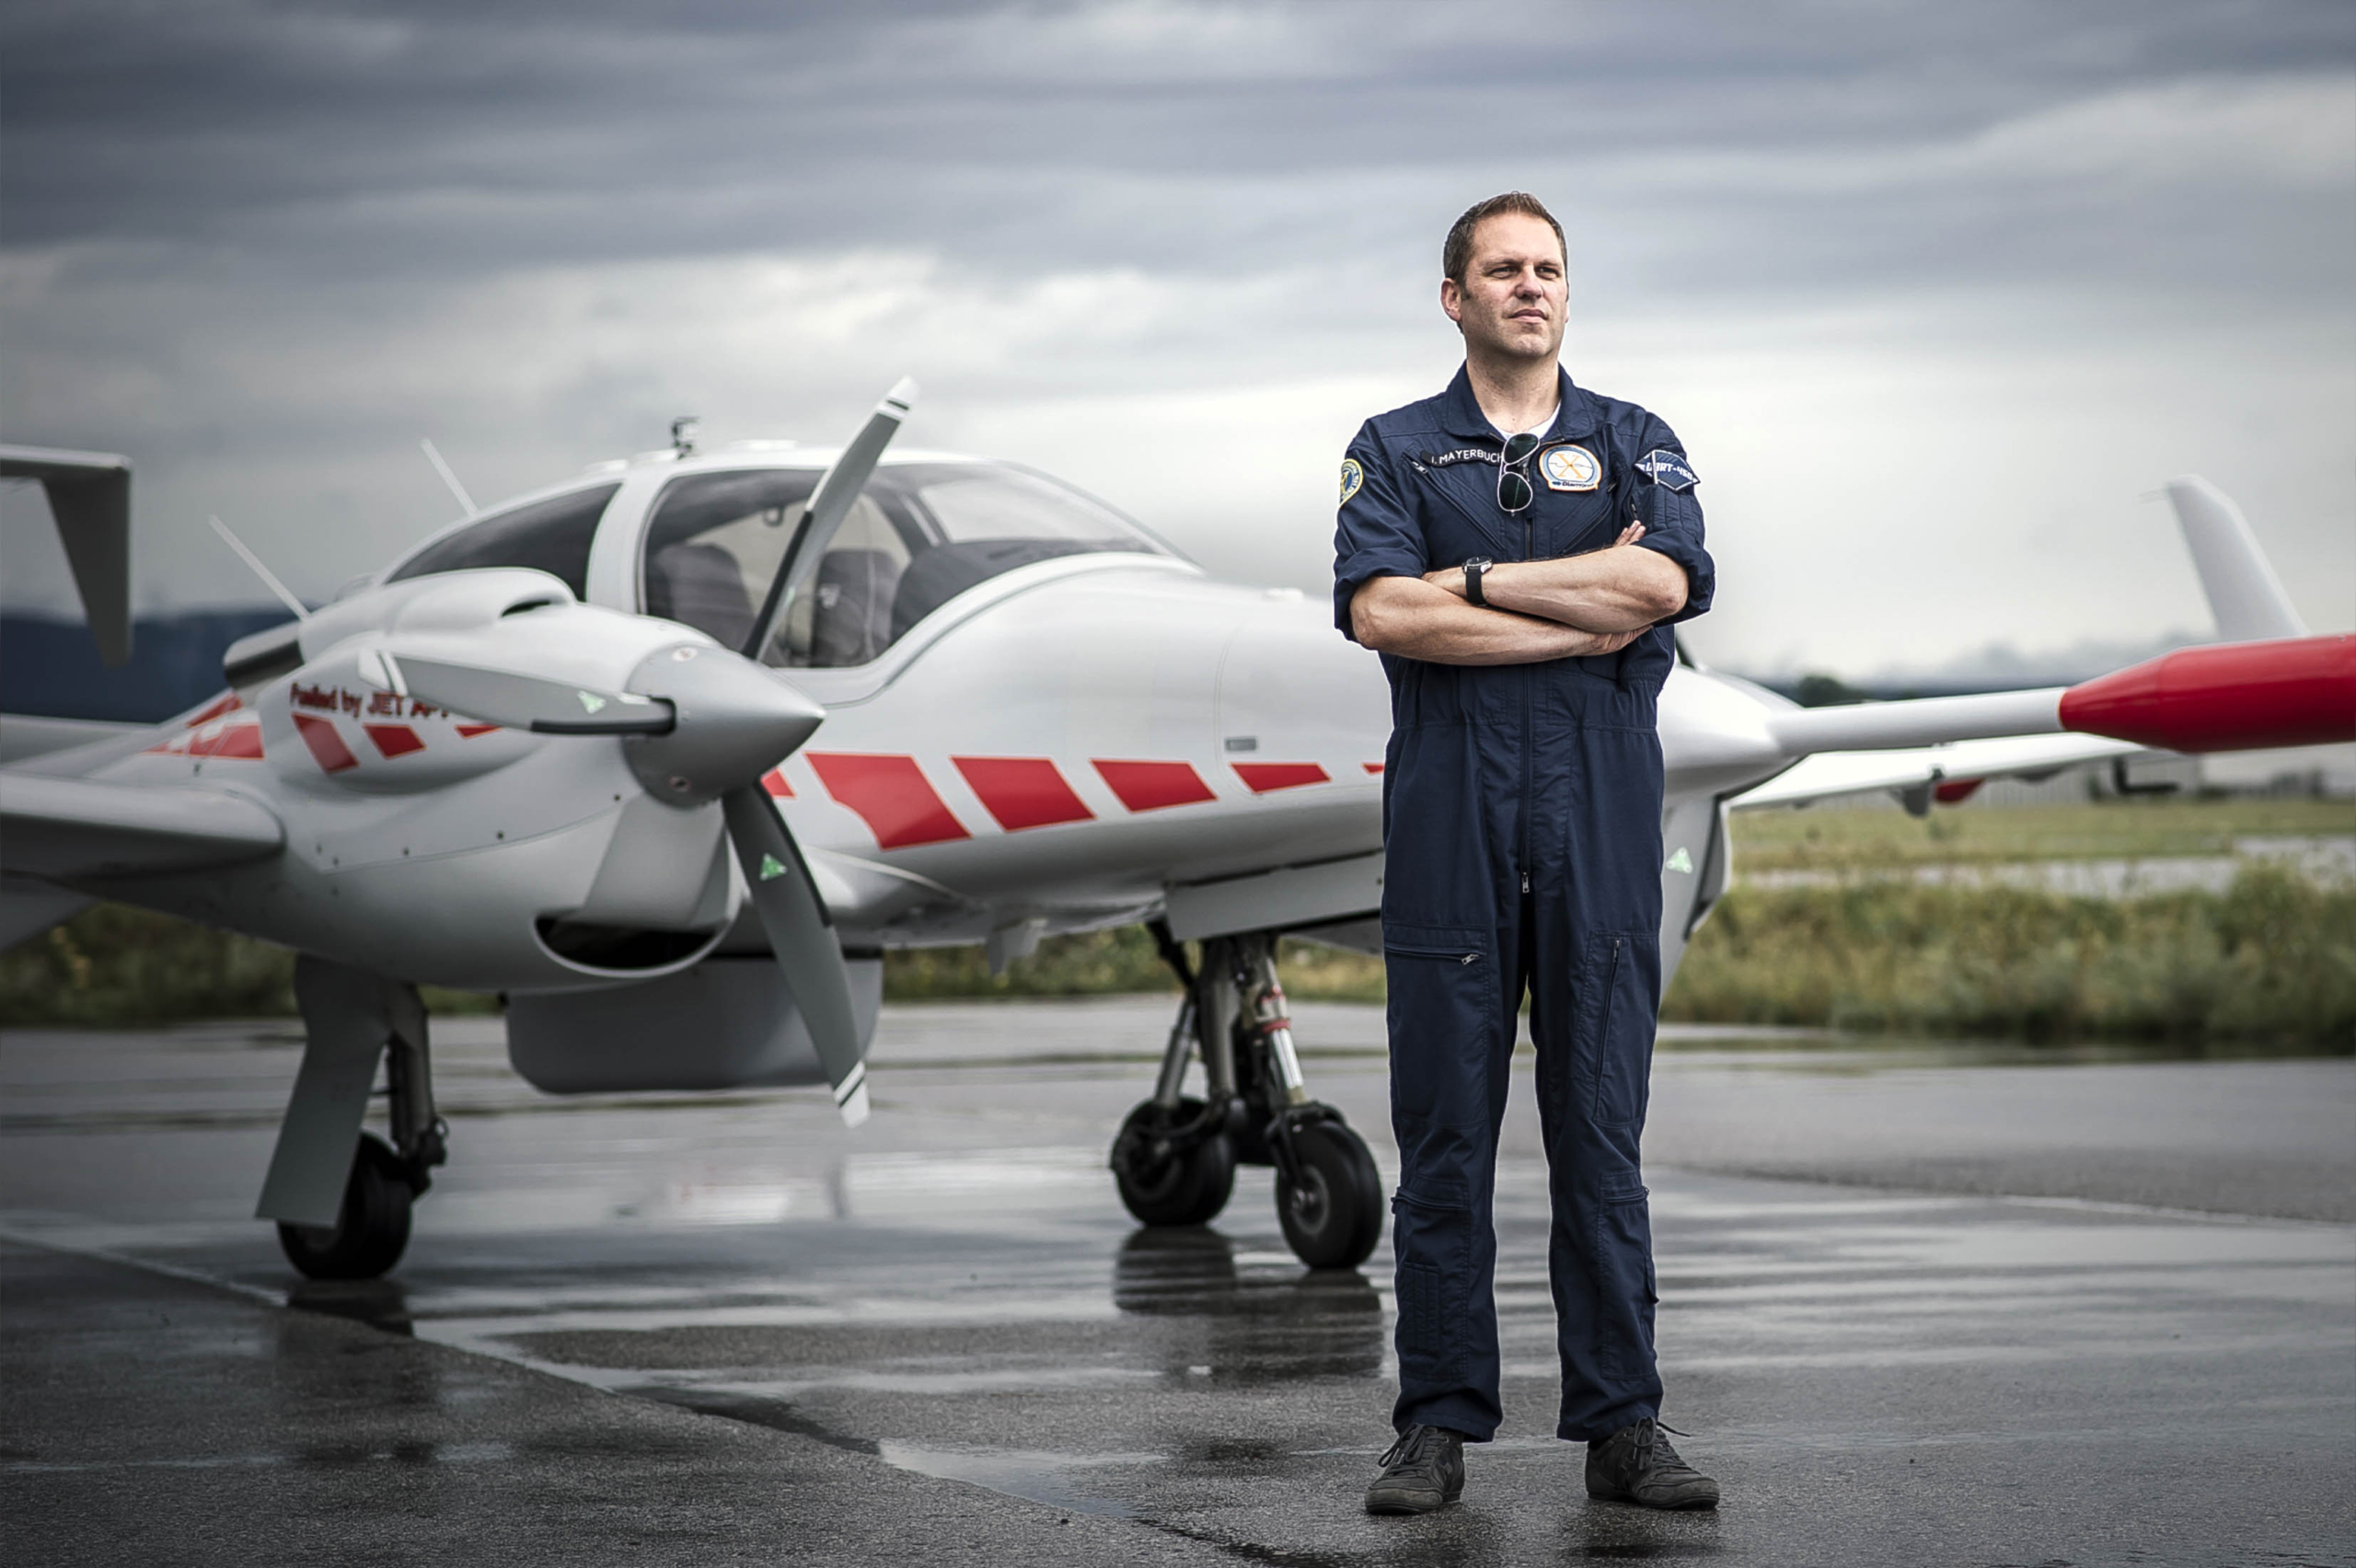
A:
(1175, 1158)
(341, 1196)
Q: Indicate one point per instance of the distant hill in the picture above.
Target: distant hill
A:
(49, 668)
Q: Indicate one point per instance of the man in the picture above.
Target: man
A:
(1515, 548)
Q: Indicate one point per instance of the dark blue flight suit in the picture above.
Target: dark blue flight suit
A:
(1522, 825)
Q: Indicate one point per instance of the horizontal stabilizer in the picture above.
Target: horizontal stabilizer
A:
(71, 828)
(89, 495)
(2244, 595)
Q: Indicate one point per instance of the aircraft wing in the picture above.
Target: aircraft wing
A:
(77, 828)
(1827, 775)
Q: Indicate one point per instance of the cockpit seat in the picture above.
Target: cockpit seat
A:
(702, 585)
(851, 622)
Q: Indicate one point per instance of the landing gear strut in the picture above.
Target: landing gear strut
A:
(1175, 1160)
(341, 1196)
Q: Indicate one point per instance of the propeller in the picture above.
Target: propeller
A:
(829, 505)
(699, 723)
(518, 700)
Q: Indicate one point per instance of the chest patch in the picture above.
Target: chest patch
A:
(1570, 468)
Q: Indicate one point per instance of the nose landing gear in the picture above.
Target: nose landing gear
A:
(343, 1211)
(1174, 1159)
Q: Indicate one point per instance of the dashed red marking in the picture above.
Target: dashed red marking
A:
(228, 702)
(1265, 776)
(890, 795)
(468, 731)
(1150, 786)
(325, 746)
(1372, 766)
(394, 740)
(1022, 791)
(234, 741)
(774, 782)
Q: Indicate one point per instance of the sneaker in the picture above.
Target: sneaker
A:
(1423, 1470)
(1637, 1465)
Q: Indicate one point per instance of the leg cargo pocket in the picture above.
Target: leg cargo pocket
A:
(1618, 1008)
(1434, 1242)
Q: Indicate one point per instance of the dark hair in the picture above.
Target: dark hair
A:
(1456, 254)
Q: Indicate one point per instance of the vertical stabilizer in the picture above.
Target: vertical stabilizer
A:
(2243, 593)
(89, 494)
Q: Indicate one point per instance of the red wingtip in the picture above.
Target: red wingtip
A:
(2238, 697)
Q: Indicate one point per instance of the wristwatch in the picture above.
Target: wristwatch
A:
(1473, 570)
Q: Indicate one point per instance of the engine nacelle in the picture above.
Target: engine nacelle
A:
(728, 1023)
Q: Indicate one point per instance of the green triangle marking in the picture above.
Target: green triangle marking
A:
(589, 700)
(771, 867)
(1680, 861)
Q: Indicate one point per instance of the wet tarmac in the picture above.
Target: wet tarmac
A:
(1919, 1306)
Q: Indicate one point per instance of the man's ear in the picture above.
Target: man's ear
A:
(1452, 300)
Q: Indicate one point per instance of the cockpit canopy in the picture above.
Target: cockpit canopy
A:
(919, 534)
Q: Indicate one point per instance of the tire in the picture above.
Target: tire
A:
(372, 1230)
(1332, 1215)
(1188, 1187)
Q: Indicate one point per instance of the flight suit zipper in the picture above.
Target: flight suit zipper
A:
(1528, 553)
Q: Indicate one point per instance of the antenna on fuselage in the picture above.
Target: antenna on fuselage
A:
(425, 443)
(269, 579)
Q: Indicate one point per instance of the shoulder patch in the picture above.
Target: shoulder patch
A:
(1352, 478)
(1570, 468)
(1667, 469)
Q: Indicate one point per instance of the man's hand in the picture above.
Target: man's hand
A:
(1417, 618)
(1619, 589)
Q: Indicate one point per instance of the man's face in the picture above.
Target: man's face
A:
(1511, 301)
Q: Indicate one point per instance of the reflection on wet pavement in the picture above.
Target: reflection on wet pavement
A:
(955, 1293)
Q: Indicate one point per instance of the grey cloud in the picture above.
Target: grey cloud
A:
(264, 247)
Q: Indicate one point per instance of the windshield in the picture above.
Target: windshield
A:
(552, 536)
(919, 534)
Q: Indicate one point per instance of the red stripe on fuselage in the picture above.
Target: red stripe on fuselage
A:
(468, 731)
(1022, 791)
(890, 795)
(234, 742)
(326, 747)
(774, 782)
(1265, 776)
(394, 740)
(1150, 786)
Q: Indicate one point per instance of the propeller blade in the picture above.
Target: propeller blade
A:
(802, 937)
(521, 701)
(829, 505)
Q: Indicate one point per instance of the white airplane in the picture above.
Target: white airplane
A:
(669, 754)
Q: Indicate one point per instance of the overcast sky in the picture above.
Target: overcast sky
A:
(1936, 295)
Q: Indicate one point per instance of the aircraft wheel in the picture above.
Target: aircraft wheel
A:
(371, 1232)
(1333, 1214)
(1183, 1186)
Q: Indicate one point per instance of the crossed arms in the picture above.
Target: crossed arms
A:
(1596, 603)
